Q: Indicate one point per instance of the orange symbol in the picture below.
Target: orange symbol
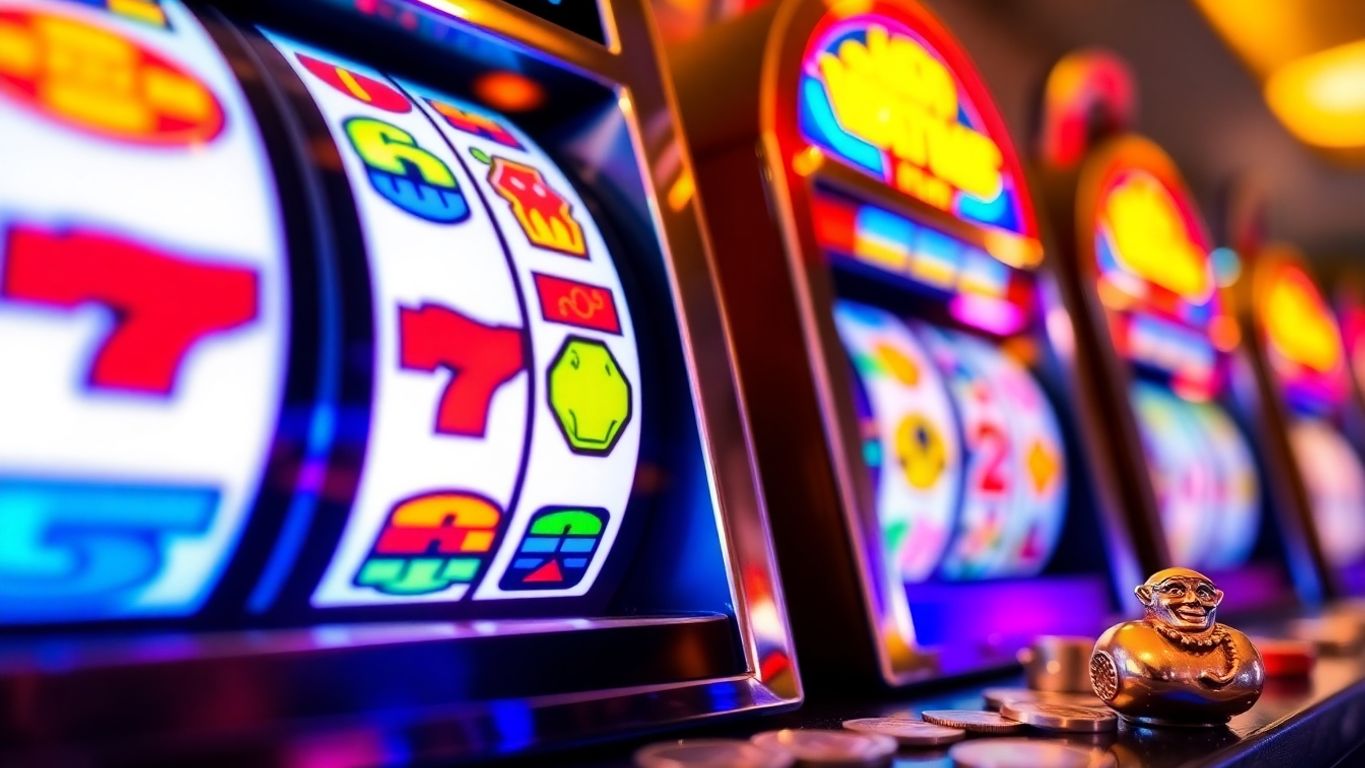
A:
(582, 303)
(543, 214)
(896, 363)
(93, 79)
(1042, 466)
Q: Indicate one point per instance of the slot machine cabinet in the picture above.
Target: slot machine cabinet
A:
(363, 397)
(903, 353)
(1312, 404)
(1157, 308)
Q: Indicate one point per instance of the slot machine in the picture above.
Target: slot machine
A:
(361, 400)
(1301, 356)
(921, 427)
(1204, 475)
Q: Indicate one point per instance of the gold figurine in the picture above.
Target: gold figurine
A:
(1177, 665)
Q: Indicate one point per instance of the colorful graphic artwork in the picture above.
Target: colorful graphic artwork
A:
(501, 393)
(162, 304)
(476, 123)
(1304, 342)
(144, 313)
(589, 394)
(359, 86)
(106, 84)
(1014, 495)
(1335, 477)
(581, 305)
(1204, 477)
(404, 173)
(545, 216)
(931, 134)
(432, 542)
(557, 548)
(911, 440)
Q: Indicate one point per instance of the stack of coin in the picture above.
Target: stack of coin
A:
(908, 732)
(998, 697)
(972, 721)
(1061, 718)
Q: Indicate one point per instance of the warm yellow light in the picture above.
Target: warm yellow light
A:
(1320, 98)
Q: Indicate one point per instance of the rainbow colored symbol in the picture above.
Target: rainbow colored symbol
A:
(431, 543)
(406, 174)
(557, 548)
(475, 123)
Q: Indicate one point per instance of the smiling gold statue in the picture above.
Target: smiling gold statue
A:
(1177, 666)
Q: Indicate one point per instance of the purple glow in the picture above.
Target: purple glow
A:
(989, 314)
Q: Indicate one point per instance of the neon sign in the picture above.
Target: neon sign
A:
(903, 105)
(1303, 339)
(1150, 239)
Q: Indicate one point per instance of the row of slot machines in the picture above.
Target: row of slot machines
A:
(761, 351)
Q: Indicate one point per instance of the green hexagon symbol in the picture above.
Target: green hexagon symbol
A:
(589, 395)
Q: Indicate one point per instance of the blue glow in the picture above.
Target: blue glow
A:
(514, 723)
(81, 550)
(995, 212)
(821, 126)
(884, 225)
(942, 250)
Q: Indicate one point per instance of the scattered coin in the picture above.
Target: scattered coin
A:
(1060, 717)
(711, 753)
(972, 720)
(816, 746)
(912, 733)
(1027, 753)
(996, 697)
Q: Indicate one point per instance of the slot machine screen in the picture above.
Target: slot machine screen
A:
(941, 309)
(1165, 294)
(1303, 345)
(297, 332)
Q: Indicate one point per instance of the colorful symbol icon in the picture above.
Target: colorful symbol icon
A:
(589, 395)
(360, 87)
(897, 364)
(544, 215)
(74, 548)
(430, 543)
(147, 12)
(475, 123)
(578, 304)
(163, 304)
(557, 548)
(922, 451)
(481, 359)
(404, 173)
(1042, 465)
(92, 79)
(1152, 239)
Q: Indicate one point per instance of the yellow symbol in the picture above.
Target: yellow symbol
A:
(1299, 324)
(894, 94)
(894, 362)
(590, 396)
(1151, 240)
(923, 456)
(1043, 466)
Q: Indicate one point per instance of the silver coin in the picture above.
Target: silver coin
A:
(972, 720)
(997, 697)
(1027, 753)
(710, 753)
(1060, 717)
(828, 747)
(913, 733)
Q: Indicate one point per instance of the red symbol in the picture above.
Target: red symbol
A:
(481, 357)
(543, 214)
(446, 523)
(162, 304)
(364, 88)
(578, 304)
(475, 123)
(95, 80)
(545, 574)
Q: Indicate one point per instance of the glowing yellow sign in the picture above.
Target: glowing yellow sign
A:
(1150, 238)
(895, 95)
(1298, 322)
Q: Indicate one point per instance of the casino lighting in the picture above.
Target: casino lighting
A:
(1320, 98)
(509, 91)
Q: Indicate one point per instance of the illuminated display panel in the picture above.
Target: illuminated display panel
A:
(1307, 359)
(1164, 292)
(144, 312)
(505, 431)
